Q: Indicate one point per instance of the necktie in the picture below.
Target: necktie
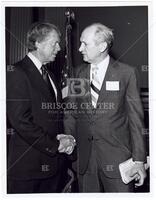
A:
(45, 77)
(95, 87)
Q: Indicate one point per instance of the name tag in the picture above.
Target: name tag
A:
(112, 85)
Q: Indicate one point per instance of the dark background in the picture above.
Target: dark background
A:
(130, 25)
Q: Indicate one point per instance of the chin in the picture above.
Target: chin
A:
(85, 59)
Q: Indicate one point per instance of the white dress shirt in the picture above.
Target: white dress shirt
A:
(101, 70)
(38, 65)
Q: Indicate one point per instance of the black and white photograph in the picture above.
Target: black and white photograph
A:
(77, 91)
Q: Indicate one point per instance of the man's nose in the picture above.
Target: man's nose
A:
(58, 47)
(81, 48)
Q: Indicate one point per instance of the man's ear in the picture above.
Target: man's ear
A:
(37, 44)
(103, 46)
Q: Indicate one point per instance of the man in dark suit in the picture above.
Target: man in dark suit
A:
(108, 123)
(37, 148)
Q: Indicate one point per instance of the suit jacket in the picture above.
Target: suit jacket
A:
(116, 125)
(35, 123)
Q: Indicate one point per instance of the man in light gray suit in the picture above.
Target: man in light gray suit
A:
(109, 121)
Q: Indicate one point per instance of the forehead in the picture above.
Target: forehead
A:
(52, 36)
(88, 35)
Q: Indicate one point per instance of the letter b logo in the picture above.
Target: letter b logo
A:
(76, 87)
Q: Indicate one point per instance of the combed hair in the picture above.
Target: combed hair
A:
(38, 32)
(103, 34)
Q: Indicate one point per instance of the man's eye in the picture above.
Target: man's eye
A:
(56, 44)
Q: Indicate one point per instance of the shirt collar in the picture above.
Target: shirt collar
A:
(101, 70)
(35, 60)
(103, 63)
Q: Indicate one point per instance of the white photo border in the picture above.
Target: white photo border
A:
(152, 99)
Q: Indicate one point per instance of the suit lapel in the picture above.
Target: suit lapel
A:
(88, 98)
(59, 96)
(36, 78)
(88, 84)
(86, 75)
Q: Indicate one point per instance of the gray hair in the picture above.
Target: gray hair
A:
(103, 34)
(38, 32)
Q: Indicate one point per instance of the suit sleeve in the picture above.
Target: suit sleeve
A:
(70, 115)
(19, 113)
(70, 123)
(135, 116)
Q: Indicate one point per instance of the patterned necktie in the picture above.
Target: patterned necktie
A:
(95, 87)
(45, 77)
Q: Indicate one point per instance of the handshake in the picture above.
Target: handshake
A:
(67, 143)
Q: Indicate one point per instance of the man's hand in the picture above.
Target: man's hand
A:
(139, 173)
(67, 143)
